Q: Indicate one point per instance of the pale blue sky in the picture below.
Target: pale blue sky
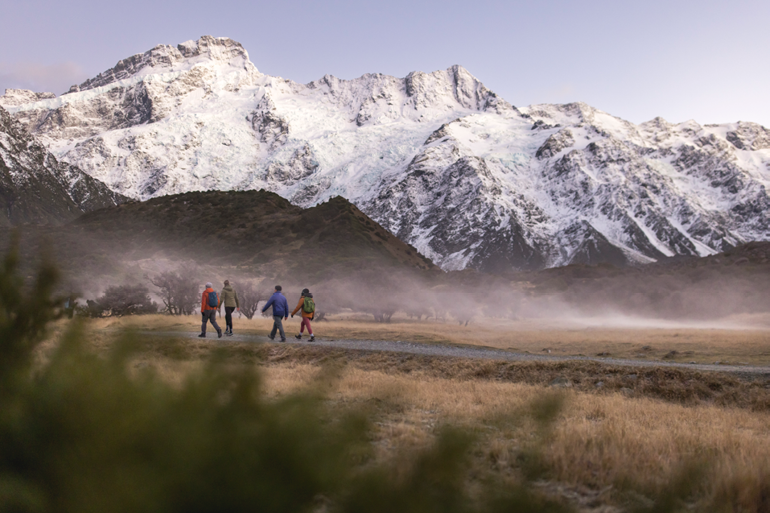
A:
(702, 60)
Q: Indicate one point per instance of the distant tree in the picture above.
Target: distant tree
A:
(249, 296)
(418, 312)
(178, 291)
(123, 300)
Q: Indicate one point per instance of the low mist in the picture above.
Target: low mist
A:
(723, 298)
(726, 291)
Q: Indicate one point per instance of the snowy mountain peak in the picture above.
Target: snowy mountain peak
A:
(375, 98)
(427, 89)
(169, 58)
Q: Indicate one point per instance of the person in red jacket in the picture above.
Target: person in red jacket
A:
(209, 306)
(306, 316)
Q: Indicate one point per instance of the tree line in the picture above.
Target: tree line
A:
(179, 293)
(380, 295)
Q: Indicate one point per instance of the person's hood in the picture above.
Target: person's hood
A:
(209, 290)
(227, 287)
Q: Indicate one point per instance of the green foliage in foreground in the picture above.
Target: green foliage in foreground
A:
(82, 433)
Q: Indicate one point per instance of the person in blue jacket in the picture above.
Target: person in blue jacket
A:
(280, 312)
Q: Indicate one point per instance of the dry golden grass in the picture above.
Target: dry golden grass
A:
(597, 443)
(734, 345)
(602, 440)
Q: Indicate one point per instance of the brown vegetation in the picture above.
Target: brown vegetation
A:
(598, 443)
(611, 446)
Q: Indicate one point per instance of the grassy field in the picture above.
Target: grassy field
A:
(607, 449)
(611, 447)
(744, 340)
(620, 437)
(598, 442)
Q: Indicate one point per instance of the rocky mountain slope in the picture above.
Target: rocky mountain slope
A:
(437, 159)
(37, 188)
(248, 234)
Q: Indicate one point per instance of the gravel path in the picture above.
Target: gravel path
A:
(482, 353)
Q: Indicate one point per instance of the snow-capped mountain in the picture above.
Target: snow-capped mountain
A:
(36, 188)
(437, 158)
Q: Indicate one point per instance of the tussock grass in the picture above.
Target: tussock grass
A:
(620, 445)
(599, 444)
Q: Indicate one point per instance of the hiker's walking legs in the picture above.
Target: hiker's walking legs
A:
(278, 326)
(305, 322)
(214, 321)
(209, 316)
(229, 317)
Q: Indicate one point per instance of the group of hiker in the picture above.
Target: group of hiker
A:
(211, 304)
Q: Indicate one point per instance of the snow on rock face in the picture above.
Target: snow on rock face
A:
(36, 188)
(13, 97)
(570, 184)
(437, 158)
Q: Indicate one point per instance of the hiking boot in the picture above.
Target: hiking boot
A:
(283, 340)
(219, 334)
(298, 337)
(312, 338)
(202, 335)
(229, 333)
(271, 338)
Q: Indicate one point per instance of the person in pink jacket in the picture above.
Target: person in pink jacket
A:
(307, 305)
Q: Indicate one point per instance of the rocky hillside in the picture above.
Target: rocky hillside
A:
(37, 188)
(438, 159)
(250, 233)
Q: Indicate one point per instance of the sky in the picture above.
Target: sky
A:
(680, 59)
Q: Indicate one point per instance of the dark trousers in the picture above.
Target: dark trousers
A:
(278, 326)
(209, 315)
(229, 317)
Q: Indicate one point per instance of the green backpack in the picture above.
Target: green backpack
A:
(309, 305)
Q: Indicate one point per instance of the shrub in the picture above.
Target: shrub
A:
(123, 300)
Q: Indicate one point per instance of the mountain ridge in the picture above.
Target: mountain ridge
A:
(436, 158)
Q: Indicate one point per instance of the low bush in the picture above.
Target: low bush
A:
(121, 300)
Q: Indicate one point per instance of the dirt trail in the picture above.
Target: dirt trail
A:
(459, 351)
